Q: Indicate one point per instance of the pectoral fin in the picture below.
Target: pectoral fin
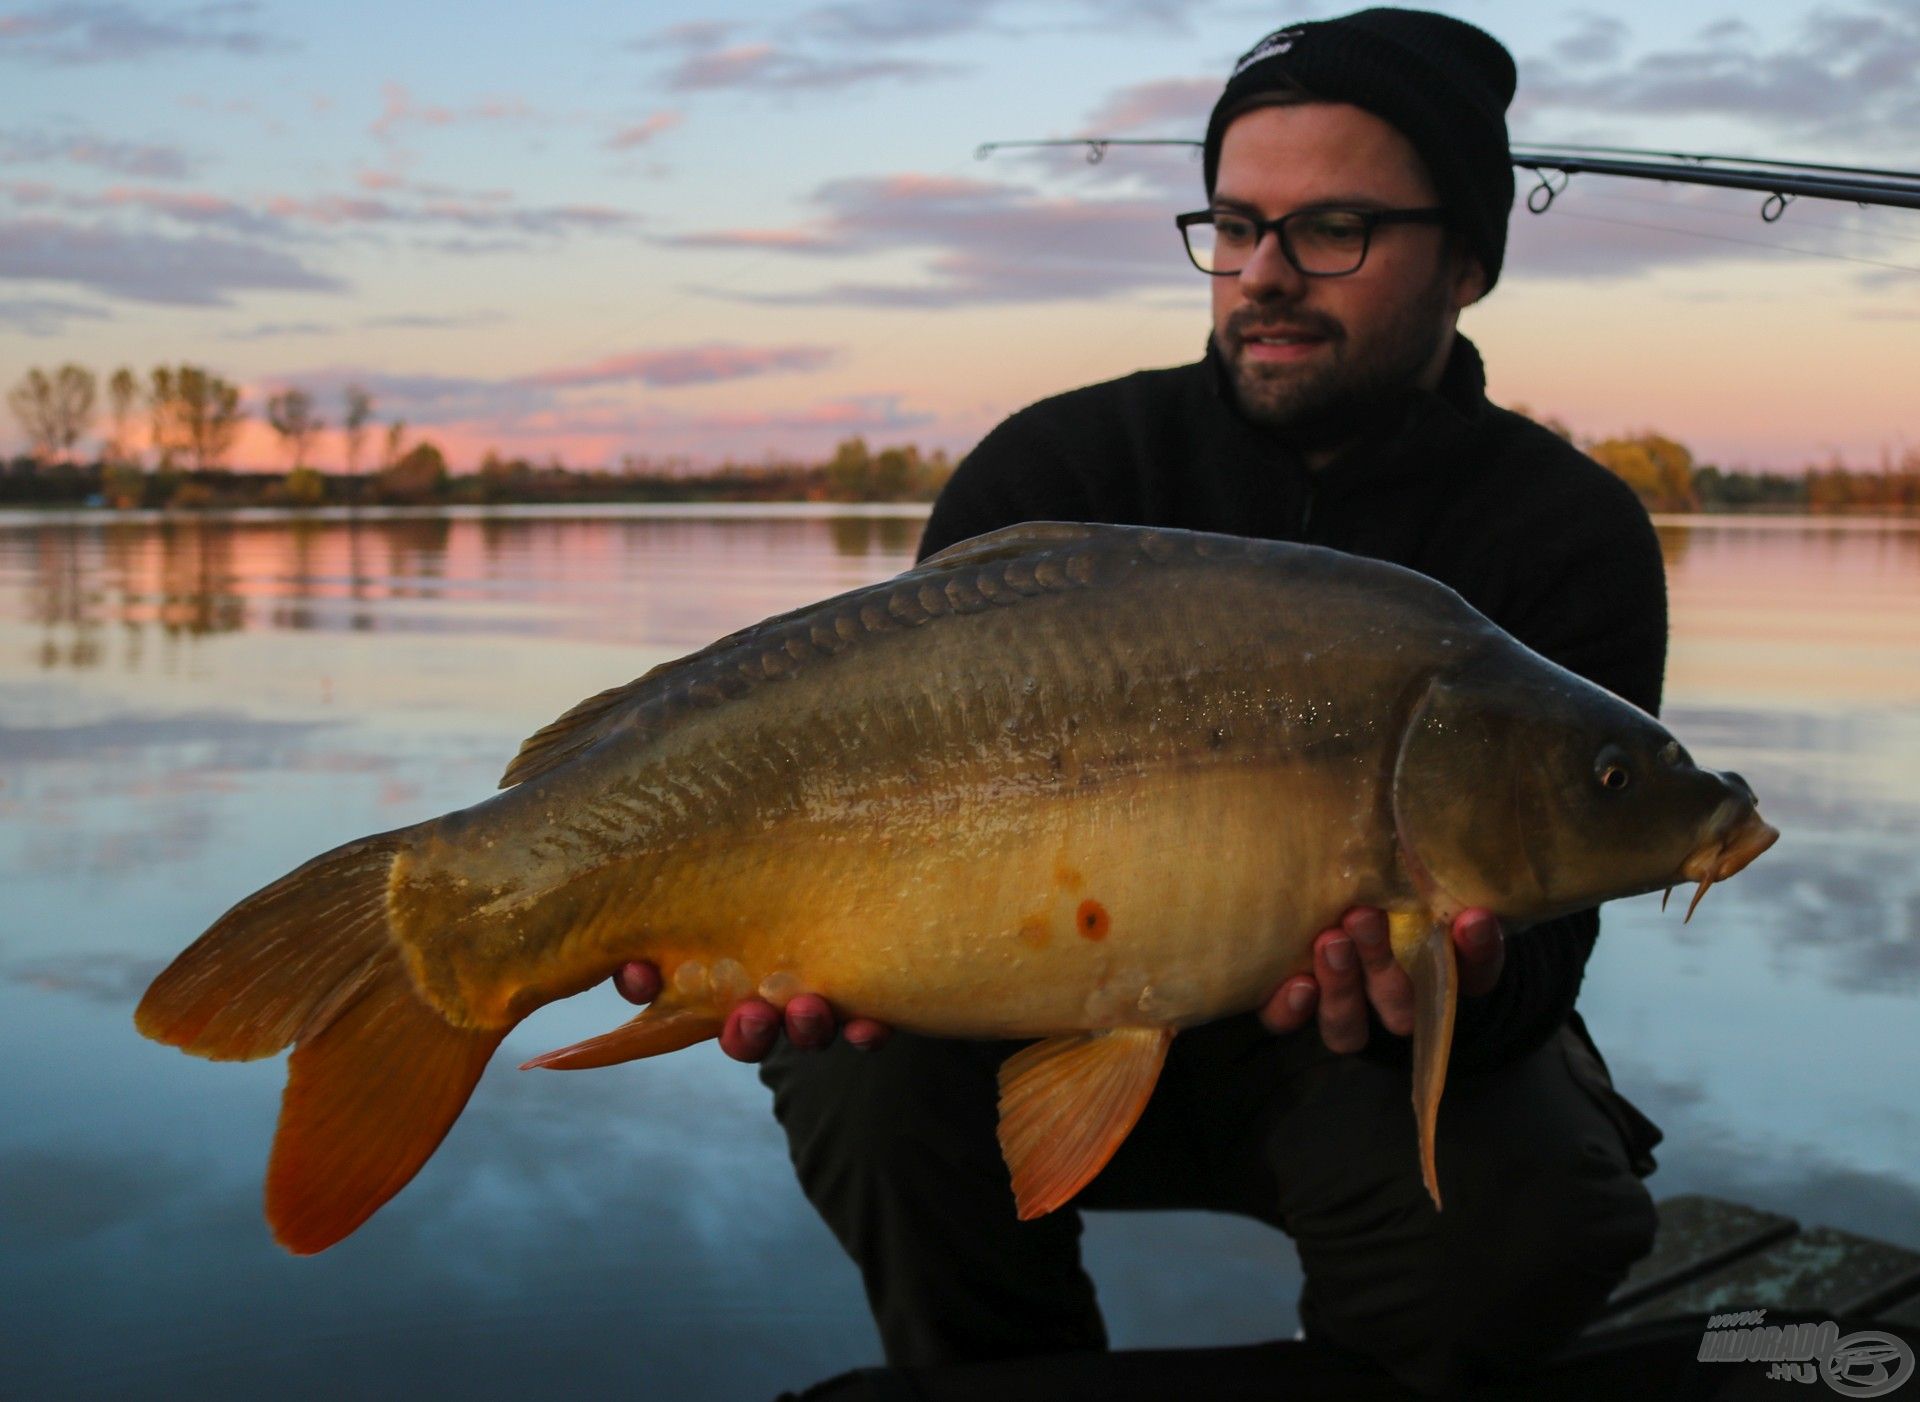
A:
(660, 1029)
(1067, 1103)
(1436, 992)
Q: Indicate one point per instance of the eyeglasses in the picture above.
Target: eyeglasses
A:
(1320, 242)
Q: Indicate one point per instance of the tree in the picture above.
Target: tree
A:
(396, 438)
(415, 479)
(290, 414)
(123, 397)
(54, 410)
(1658, 469)
(850, 470)
(194, 412)
(124, 485)
(304, 487)
(354, 425)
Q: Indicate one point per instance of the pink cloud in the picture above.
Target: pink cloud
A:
(640, 133)
(186, 203)
(330, 209)
(687, 365)
(398, 107)
(1179, 104)
(787, 240)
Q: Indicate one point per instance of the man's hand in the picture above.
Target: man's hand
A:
(1342, 985)
(754, 1025)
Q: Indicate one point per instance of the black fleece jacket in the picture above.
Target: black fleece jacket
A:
(1528, 529)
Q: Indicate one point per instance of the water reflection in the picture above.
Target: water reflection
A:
(190, 707)
(101, 591)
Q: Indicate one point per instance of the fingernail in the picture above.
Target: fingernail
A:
(1340, 954)
(1369, 932)
(1300, 997)
(809, 1023)
(756, 1027)
(1480, 934)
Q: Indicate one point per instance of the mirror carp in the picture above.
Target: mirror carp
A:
(1084, 784)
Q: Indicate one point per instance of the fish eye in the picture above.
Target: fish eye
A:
(1610, 768)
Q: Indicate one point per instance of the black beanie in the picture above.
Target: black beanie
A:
(1441, 82)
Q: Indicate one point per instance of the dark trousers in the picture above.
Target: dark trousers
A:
(1539, 1160)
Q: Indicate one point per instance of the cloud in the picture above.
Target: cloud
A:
(1178, 105)
(428, 321)
(147, 267)
(138, 160)
(269, 330)
(1599, 39)
(860, 413)
(186, 206)
(763, 66)
(398, 109)
(1848, 75)
(189, 207)
(79, 32)
(986, 243)
(406, 321)
(688, 365)
(864, 22)
(896, 21)
(692, 34)
(644, 131)
(46, 316)
(454, 399)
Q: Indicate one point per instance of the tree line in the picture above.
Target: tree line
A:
(192, 418)
(1664, 475)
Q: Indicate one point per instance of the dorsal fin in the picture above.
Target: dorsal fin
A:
(558, 741)
(1010, 540)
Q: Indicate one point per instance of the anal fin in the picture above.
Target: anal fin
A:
(660, 1029)
(1067, 1103)
(1436, 994)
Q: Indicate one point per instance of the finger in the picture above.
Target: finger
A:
(1291, 1006)
(750, 1030)
(637, 982)
(1481, 945)
(1343, 1009)
(864, 1034)
(1389, 988)
(809, 1021)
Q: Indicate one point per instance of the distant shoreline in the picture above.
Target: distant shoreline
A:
(14, 513)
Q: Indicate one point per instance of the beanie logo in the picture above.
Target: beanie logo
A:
(1278, 42)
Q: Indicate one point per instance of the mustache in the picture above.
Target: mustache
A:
(1254, 321)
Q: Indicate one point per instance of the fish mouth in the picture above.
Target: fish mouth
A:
(1722, 856)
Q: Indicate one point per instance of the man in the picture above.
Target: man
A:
(1359, 185)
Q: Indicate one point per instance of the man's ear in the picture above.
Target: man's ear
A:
(1469, 278)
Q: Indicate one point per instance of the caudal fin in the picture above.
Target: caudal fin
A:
(377, 1075)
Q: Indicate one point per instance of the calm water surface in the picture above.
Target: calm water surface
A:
(189, 708)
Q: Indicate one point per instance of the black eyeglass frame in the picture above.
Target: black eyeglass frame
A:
(1371, 220)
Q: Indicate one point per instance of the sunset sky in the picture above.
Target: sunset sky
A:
(750, 229)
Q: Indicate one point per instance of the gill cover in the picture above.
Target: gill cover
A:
(1468, 805)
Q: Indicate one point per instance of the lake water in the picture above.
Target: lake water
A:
(191, 707)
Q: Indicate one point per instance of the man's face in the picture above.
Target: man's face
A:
(1308, 352)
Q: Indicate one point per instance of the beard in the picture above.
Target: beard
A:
(1345, 389)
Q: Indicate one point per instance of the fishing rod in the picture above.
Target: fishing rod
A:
(1782, 182)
